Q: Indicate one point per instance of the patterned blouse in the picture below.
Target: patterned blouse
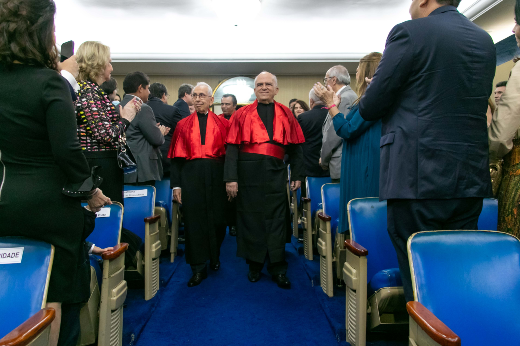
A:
(99, 124)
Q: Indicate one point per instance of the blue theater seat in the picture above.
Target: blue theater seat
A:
(328, 223)
(164, 208)
(466, 286)
(24, 292)
(488, 219)
(140, 218)
(107, 232)
(371, 273)
(311, 205)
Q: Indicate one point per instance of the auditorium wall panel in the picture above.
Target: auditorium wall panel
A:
(290, 86)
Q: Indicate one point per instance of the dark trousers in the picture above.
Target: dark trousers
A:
(274, 269)
(70, 324)
(408, 216)
(198, 268)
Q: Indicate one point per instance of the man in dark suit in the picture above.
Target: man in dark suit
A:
(311, 123)
(167, 116)
(431, 90)
(182, 105)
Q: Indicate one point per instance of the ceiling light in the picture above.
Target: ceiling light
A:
(236, 11)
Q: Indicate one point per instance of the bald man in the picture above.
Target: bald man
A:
(255, 174)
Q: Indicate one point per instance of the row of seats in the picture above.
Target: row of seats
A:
(101, 318)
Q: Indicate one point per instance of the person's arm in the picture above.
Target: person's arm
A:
(175, 172)
(148, 127)
(101, 127)
(231, 164)
(295, 151)
(391, 76)
(62, 131)
(506, 120)
(331, 141)
(351, 129)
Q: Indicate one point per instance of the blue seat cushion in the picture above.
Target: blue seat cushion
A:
(385, 278)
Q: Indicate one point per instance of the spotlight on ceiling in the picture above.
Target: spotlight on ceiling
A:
(234, 12)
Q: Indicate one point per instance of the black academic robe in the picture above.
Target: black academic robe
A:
(200, 176)
(263, 219)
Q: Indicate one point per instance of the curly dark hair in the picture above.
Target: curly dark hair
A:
(27, 33)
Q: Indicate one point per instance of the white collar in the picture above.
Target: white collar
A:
(339, 91)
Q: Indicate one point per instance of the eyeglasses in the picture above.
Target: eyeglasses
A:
(196, 96)
(326, 79)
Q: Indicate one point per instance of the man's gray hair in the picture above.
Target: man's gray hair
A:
(274, 77)
(341, 74)
(210, 91)
(314, 98)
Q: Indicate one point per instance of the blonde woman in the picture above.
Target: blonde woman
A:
(360, 160)
(101, 128)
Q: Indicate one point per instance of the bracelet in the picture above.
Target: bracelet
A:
(333, 105)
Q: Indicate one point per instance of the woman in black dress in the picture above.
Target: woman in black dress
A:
(43, 172)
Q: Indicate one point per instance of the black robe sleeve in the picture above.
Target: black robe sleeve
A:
(230, 166)
(175, 171)
(295, 152)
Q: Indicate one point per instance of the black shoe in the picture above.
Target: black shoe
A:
(282, 281)
(215, 266)
(253, 276)
(197, 278)
(233, 231)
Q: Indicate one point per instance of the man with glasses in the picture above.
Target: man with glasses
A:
(166, 116)
(259, 136)
(197, 167)
(338, 79)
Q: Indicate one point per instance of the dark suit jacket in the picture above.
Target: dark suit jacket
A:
(168, 116)
(431, 90)
(144, 139)
(311, 123)
(181, 109)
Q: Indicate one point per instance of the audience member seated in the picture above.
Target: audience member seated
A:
(167, 116)
(44, 173)
(360, 162)
(144, 134)
(292, 102)
(101, 130)
(299, 107)
(338, 79)
(183, 104)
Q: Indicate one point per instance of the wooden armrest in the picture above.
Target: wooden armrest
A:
(355, 248)
(30, 329)
(152, 219)
(305, 199)
(118, 250)
(324, 217)
(431, 325)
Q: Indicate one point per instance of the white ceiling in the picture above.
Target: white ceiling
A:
(186, 36)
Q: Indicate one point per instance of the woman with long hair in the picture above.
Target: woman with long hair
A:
(360, 160)
(299, 107)
(43, 172)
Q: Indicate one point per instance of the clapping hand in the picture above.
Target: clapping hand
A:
(326, 95)
(164, 130)
(131, 109)
(70, 65)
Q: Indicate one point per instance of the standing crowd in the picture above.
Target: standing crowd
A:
(414, 133)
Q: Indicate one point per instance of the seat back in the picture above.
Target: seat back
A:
(313, 185)
(469, 280)
(164, 196)
(138, 208)
(368, 227)
(107, 232)
(330, 200)
(26, 280)
(488, 219)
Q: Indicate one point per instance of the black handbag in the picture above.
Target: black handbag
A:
(125, 159)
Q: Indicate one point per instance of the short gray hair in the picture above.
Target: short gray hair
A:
(341, 74)
(210, 91)
(274, 77)
(314, 98)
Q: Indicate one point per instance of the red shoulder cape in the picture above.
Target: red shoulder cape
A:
(247, 127)
(186, 138)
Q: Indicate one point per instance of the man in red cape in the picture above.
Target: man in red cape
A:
(197, 155)
(255, 173)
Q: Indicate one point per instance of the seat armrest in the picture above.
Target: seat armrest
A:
(305, 199)
(324, 217)
(355, 248)
(152, 219)
(118, 250)
(431, 325)
(30, 329)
